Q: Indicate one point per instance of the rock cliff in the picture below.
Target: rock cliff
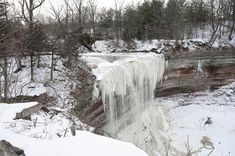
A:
(195, 71)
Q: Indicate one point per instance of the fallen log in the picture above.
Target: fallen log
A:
(26, 113)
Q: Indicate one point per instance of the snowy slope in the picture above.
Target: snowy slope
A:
(196, 41)
(83, 144)
(187, 115)
(59, 87)
(160, 45)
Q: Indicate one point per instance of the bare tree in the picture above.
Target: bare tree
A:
(215, 18)
(233, 21)
(93, 13)
(80, 14)
(28, 8)
(64, 18)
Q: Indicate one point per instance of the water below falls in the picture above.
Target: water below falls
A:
(127, 86)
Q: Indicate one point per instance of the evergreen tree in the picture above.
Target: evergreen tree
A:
(130, 23)
(157, 21)
(174, 15)
(145, 20)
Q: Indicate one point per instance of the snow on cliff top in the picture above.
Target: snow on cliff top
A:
(112, 46)
(83, 144)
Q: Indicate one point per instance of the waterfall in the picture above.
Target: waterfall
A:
(127, 89)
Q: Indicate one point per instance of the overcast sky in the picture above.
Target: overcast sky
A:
(101, 3)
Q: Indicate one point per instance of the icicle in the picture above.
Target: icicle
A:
(127, 89)
(199, 66)
(128, 84)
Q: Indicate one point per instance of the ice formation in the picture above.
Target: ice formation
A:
(199, 66)
(128, 83)
(127, 89)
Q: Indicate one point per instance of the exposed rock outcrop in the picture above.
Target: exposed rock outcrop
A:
(94, 114)
(83, 91)
(6, 149)
(195, 71)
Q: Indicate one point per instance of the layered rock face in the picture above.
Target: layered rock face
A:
(188, 72)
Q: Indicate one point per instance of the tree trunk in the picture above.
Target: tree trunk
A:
(31, 67)
(212, 15)
(233, 25)
(38, 61)
(19, 62)
(80, 18)
(1, 88)
(52, 64)
(5, 80)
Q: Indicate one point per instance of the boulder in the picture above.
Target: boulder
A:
(6, 149)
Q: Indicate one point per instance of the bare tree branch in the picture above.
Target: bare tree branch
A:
(40, 3)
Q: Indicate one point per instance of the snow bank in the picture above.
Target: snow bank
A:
(83, 144)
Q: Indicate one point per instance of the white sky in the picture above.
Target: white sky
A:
(101, 3)
(45, 9)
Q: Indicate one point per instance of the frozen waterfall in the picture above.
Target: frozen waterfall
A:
(127, 89)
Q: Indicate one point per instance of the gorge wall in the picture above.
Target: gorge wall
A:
(187, 72)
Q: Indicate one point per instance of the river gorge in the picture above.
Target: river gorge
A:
(126, 85)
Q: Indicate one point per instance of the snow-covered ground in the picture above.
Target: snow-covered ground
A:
(188, 113)
(83, 144)
(201, 36)
(60, 87)
(159, 45)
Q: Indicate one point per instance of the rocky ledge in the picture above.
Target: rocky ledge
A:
(195, 71)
